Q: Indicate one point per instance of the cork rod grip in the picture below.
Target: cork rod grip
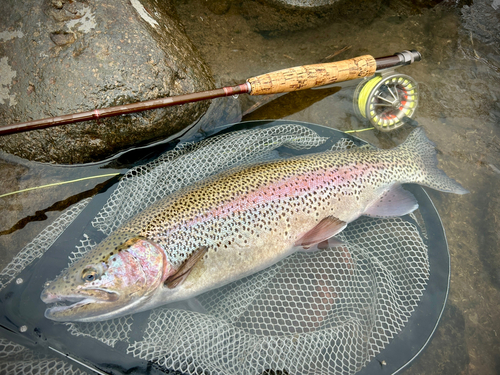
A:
(307, 76)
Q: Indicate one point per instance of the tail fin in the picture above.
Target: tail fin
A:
(418, 146)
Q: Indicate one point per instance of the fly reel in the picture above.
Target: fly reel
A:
(388, 100)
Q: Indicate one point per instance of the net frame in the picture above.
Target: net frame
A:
(189, 367)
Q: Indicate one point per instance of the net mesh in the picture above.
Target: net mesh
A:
(17, 359)
(36, 248)
(324, 312)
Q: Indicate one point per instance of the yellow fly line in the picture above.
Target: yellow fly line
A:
(365, 93)
(359, 131)
(107, 175)
(58, 184)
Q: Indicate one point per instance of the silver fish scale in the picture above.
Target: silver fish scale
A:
(356, 177)
(154, 223)
(191, 162)
(352, 177)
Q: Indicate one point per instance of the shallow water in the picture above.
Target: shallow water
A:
(459, 82)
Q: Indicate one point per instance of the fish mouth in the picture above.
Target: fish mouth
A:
(97, 294)
(78, 308)
(59, 309)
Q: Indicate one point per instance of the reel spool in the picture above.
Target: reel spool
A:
(388, 100)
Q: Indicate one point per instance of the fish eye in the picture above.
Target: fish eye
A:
(90, 274)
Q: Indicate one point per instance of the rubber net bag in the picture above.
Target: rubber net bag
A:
(326, 312)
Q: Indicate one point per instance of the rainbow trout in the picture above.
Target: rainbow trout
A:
(239, 222)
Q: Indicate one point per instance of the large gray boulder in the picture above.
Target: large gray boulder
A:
(63, 56)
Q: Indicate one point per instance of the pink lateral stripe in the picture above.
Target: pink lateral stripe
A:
(290, 188)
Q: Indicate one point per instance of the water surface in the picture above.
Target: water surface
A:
(459, 81)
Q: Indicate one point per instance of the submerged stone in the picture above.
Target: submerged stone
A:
(61, 57)
(275, 17)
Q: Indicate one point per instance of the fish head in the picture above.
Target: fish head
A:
(106, 284)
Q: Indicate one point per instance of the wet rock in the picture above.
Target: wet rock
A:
(59, 57)
(219, 7)
(61, 38)
(274, 17)
(413, 5)
(482, 19)
(306, 3)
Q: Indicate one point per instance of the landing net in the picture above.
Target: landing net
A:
(326, 312)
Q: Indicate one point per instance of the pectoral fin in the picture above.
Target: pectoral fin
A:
(326, 228)
(185, 269)
(394, 202)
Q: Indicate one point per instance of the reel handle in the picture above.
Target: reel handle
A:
(308, 76)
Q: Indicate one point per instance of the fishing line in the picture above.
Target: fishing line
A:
(358, 131)
(365, 93)
(58, 184)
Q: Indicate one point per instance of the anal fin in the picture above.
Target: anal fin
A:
(185, 269)
(329, 243)
(326, 228)
(394, 202)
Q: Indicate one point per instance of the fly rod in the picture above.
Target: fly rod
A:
(286, 80)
